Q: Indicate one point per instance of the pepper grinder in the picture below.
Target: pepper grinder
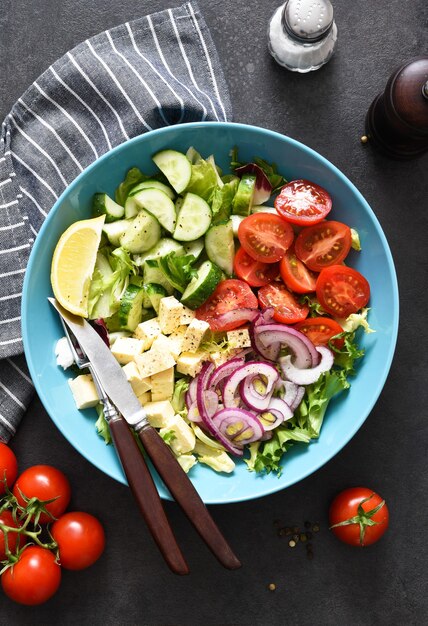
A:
(302, 34)
(397, 120)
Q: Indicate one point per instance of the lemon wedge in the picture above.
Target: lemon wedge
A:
(73, 264)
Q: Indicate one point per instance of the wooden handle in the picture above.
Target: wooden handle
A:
(186, 496)
(146, 495)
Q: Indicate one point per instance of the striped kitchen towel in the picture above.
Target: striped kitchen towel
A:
(155, 71)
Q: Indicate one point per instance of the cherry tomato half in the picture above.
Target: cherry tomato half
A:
(354, 506)
(287, 309)
(229, 295)
(323, 245)
(302, 202)
(34, 578)
(265, 237)
(255, 273)
(295, 274)
(8, 467)
(44, 482)
(341, 290)
(80, 538)
(320, 330)
(13, 539)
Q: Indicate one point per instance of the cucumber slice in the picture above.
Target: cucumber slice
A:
(201, 287)
(244, 195)
(153, 274)
(131, 207)
(142, 233)
(162, 248)
(194, 247)
(176, 167)
(220, 246)
(102, 204)
(236, 220)
(155, 292)
(152, 184)
(261, 208)
(131, 308)
(193, 219)
(115, 230)
(139, 280)
(158, 204)
(103, 306)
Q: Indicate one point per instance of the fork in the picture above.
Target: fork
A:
(134, 466)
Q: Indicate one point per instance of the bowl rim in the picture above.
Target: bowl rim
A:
(275, 486)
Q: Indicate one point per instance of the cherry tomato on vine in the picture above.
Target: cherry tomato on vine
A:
(341, 290)
(13, 538)
(80, 538)
(265, 237)
(295, 274)
(320, 330)
(255, 273)
(324, 244)
(286, 309)
(34, 578)
(8, 467)
(229, 295)
(302, 202)
(358, 516)
(44, 482)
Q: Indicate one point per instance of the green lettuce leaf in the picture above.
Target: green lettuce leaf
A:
(133, 177)
(178, 397)
(178, 270)
(222, 199)
(345, 357)
(204, 178)
(102, 426)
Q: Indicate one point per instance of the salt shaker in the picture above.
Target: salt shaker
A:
(397, 120)
(302, 34)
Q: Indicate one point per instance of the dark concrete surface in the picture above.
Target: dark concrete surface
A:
(385, 584)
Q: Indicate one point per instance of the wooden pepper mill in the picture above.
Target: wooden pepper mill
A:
(397, 120)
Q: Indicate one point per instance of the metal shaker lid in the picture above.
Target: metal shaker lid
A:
(307, 21)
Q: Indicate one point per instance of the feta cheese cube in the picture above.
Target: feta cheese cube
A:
(153, 361)
(144, 398)
(184, 437)
(125, 349)
(168, 344)
(194, 334)
(191, 362)
(170, 312)
(239, 338)
(84, 391)
(139, 385)
(187, 316)
(176, 338)
(159, 413)
(148, 331)
(162, 385)
(218, 358)
(64, 356)
(187, 461)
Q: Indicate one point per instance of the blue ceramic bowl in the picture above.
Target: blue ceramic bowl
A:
(345, 415)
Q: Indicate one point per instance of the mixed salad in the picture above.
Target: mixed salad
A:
(228, 302)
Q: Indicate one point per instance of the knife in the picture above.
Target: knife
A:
(114, 382)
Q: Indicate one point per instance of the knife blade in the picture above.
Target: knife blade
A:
(134, 465)
(121, 394)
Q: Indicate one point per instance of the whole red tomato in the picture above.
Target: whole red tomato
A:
(358, 516)
(34, 578)
(80, 538)
(13, 538)
(45, 483)
(8, 467)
